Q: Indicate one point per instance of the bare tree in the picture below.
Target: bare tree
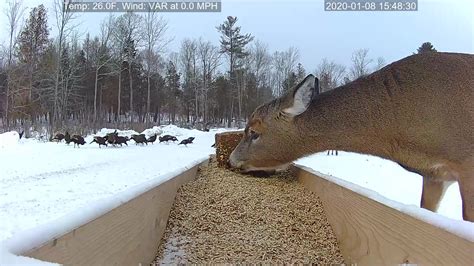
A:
(127, 36)
(13, 11)
(209, 57)
(284, 64)
(72, 74)
(260, 65)
(102, 57)
(133, 22)
(380, 63)
(154, 35)
(188, 61)
(330, 74)
(63, 19)
(360, 63)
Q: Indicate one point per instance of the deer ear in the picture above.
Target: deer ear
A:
(302, 96)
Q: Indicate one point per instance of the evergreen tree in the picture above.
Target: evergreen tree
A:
(426, 47)
(130, 53)
(290, 82)
(300, 73)
(233, 45)
(33, 42)
(233, 42)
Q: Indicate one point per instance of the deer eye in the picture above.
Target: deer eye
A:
(254, 135)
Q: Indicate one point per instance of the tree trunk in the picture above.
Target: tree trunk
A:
(148, 97)
(56, 84)
(7, 100)
(119, 94)
(131, 90)
(100, 105)
(95, 94)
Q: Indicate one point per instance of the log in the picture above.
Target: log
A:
(225, 144)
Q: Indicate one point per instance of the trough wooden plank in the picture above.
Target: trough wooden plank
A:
(371, 233)
(127, 235)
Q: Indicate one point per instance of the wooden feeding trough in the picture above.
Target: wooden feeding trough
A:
(367, 231)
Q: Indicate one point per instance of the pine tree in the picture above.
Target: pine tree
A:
(290, 82)
(33, 39)
(130, 53)
(233, 44)
(300, 73)
(33, 42)
(426, 47)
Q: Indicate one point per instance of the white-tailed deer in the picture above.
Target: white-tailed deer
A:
(418, 112)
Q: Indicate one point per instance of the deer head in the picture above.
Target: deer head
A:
(272, 139)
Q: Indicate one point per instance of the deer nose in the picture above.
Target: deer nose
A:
(233, 162)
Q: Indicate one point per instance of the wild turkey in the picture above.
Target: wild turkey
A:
(167, 138)
(121, 140)
(111, 137)
(99, 140)
(139, 139)
(21, 134)
(58, 137)
(152, 139)
(67, 138)
(187, 141)
(78, 140)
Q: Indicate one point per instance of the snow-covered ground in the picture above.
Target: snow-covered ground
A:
(382, 176)
(47, 189)
(387, 182)
(44, 184)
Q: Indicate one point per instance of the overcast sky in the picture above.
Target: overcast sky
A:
(304, 24)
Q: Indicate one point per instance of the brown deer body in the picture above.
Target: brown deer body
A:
(418, 112)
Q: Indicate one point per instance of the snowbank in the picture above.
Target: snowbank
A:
(25, 240)
(383, 176)
(105, 131)
(49, 188)
(390, 184)
(463, 229)
(9, 139)
(7, 258)
(152, 131)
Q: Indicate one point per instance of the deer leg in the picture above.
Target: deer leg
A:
(433, 192)
(466, 187)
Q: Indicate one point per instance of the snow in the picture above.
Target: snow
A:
(383, 176)
(48, 189)
(390, 184)
(9, 139)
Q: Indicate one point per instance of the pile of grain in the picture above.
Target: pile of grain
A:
(226, 217)
(225, 144)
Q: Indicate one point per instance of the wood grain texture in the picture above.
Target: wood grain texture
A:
(127, 235)
(371, 233)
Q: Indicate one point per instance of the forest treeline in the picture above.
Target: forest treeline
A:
(125, 77)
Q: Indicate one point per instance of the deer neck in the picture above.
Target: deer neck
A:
(348, 119)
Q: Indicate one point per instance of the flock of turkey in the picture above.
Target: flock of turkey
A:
(114, 139)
